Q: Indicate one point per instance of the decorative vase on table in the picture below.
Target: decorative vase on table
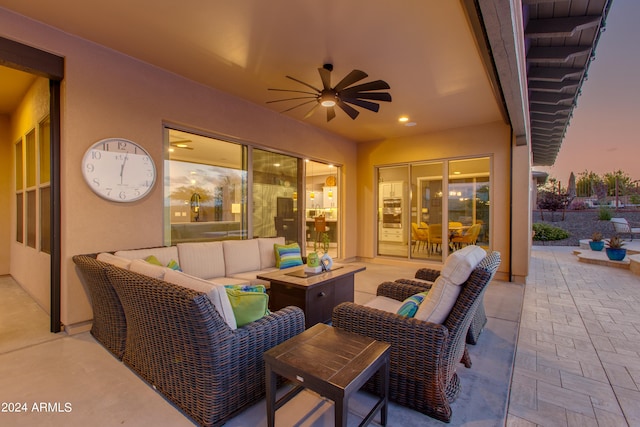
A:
(616, 254)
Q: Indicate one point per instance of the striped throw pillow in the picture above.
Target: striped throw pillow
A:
(410, 306)
(287, 255)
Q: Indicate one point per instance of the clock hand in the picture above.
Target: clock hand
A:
(122, 167)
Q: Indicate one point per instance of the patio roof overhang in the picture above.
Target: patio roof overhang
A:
(560, 40)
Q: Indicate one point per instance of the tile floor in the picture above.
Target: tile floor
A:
(577, 360)
(578, 352)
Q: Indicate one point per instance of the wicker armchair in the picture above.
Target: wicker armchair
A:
(109, 324)
(179, 343)
(424, 355)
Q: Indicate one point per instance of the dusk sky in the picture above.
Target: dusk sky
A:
(603, 133)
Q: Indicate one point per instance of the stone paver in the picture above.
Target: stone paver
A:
(578, 354)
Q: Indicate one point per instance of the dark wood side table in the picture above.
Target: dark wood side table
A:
(333, 363)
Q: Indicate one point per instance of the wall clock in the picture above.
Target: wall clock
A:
(118, 170)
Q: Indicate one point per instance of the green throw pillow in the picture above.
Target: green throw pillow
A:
(287, 255)
(410, 306)
(173, 264)
(249, 303)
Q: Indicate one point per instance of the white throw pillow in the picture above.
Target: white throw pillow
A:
(217, 293)
(143, 267)
(267, 256)
(445, 290)
(114, 260)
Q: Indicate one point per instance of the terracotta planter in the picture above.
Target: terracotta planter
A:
(616, 254)
(596, 246)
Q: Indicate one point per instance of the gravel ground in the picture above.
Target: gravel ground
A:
(581, 224)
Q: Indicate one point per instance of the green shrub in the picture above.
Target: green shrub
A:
(546, 232)
(604, 213)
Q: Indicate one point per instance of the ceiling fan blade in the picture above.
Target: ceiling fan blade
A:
(303, 83)
(325, 75)
(362, 103)
(291, 99)
(306, 116)
(295, 91)
(349, 79)
(352, 112)
(331, 113)
(296, 106)
(374, 85)
(376, 96)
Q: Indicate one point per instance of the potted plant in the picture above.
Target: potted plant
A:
(615, 251)
(596, 243)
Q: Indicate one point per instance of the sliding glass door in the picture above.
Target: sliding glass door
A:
(428, 209)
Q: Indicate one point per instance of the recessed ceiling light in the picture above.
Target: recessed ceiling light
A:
(403, 119)
(410, 124)
(456, 172)
(181, 145)
(276, 165)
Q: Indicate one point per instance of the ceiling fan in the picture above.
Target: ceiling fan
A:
(341, 94)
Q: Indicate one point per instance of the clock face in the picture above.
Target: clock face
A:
(119, 170)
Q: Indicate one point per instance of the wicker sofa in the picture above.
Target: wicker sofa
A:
(179, 338)
(424, 355)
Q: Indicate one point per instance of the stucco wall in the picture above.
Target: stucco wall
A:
(484, 140)
(106, 94)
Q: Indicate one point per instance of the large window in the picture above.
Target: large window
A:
(428, 209)
(219, 190)
(205, 188)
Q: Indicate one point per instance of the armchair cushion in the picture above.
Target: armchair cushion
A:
(446, 288)
(384, 303)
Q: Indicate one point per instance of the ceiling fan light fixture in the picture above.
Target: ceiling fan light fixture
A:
(328, 99)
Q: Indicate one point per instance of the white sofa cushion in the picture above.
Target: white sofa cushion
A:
(241, 256)
(216, 292)
(143, 267)
(445, 290)
(387, 304)
(250, 277)
(202, 259)
(163, 254)
(114, 260)
(267, 256)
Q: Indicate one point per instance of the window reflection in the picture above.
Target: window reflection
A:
(206, 188)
